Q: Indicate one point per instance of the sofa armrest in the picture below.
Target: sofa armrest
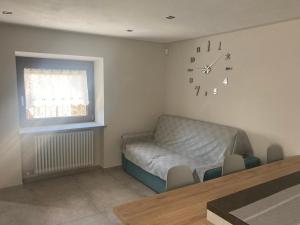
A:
(135, 137)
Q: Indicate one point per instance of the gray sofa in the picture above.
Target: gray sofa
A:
(183, 141)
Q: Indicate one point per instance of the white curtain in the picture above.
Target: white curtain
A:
(53, 93)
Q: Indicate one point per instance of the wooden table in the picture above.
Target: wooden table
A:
(187, 206)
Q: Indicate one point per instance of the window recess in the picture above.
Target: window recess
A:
(55, 91)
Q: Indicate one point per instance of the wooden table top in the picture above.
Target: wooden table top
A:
(187, 206)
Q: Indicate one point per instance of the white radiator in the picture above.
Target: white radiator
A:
(63, 151)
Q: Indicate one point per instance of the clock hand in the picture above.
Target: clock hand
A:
(207, 69)
(216, 60)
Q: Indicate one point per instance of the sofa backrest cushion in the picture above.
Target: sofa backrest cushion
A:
(195, 138)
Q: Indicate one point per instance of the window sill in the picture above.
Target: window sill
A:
(60, 128)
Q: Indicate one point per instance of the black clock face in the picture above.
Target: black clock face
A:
(209, 61)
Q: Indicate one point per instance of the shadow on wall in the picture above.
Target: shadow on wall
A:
(10, 168)
(261, 144)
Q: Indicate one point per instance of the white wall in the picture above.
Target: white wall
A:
(262, 96)
(263, 93)
(133, 74)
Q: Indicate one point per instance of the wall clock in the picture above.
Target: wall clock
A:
(205, 67)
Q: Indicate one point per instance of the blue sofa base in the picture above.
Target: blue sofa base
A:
(158, 185)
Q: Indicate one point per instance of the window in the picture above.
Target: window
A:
(55, 91)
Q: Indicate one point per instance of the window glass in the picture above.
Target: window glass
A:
(55, 93)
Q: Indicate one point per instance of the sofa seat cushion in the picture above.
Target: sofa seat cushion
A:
(150, 157)
(158, 160)
(143, 153)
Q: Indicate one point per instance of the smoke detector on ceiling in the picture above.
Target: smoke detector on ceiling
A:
(5, 12)
(170, 17)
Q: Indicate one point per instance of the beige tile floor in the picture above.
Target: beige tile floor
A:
(82, 199)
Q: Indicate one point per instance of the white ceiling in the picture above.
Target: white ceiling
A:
(194, 18)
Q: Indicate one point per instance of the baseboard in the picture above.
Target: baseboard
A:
(34, 178)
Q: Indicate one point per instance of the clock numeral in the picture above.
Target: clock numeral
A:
(208, 46)
(190, 70)
(191, 80)
(228, 68)
(220, 46)
(228, 56)
(225, 81)
(193, 59)
(197, 88)
(198, 49)
(206, 93)
(215, 91)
